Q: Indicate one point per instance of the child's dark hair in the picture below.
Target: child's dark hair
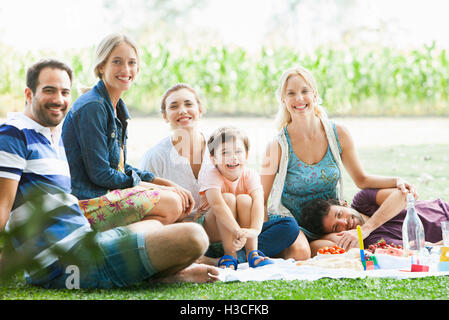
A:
(313, 213)
(224, 134)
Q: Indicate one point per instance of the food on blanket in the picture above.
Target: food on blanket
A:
(392, 252)
(334, 262)
(382, 244)
(331, 250)
(335, 258)
(354, 253)
(381, 247)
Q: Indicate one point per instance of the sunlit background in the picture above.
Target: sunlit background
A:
(61, 24)
(370, 57)
(382, 68)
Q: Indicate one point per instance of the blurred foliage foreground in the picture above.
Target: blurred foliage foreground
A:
(30, 230)
(358, 81)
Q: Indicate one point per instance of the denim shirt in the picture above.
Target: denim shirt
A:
(93, 137)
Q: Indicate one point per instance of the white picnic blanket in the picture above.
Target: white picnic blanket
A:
(288, 270)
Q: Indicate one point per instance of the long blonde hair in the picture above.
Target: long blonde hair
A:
(104, 49)
(283, 117)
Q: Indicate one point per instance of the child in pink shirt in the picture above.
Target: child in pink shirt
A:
(235, 196)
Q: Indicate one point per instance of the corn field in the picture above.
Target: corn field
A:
(233, 81)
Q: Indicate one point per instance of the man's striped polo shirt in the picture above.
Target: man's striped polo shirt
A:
(30, 155)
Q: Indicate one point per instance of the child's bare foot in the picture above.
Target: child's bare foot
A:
(259, 259)
(228, 262)
(256, 258)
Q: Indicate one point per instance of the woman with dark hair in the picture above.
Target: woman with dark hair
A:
(181, 156)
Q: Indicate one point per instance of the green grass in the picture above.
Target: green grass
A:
(430, 288)
(409, 162)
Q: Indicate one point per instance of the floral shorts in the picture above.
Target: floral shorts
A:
(119, 207)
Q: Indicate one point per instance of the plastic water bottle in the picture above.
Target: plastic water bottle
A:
(413, 230)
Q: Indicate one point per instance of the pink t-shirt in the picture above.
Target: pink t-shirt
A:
(211, 178)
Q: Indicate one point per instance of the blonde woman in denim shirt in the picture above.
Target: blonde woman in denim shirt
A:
(112, 192)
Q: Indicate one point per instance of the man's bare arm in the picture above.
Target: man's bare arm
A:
(8, 191)
(391, 202)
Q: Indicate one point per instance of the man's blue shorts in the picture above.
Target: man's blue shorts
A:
(121, 261)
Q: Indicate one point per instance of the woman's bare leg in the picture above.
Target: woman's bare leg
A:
(168, 209)
(299, 250)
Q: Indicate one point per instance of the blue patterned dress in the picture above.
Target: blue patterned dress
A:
(305, 182)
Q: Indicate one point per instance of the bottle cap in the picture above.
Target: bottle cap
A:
(410, 197)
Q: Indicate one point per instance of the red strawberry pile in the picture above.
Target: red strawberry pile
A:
(382, 244)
